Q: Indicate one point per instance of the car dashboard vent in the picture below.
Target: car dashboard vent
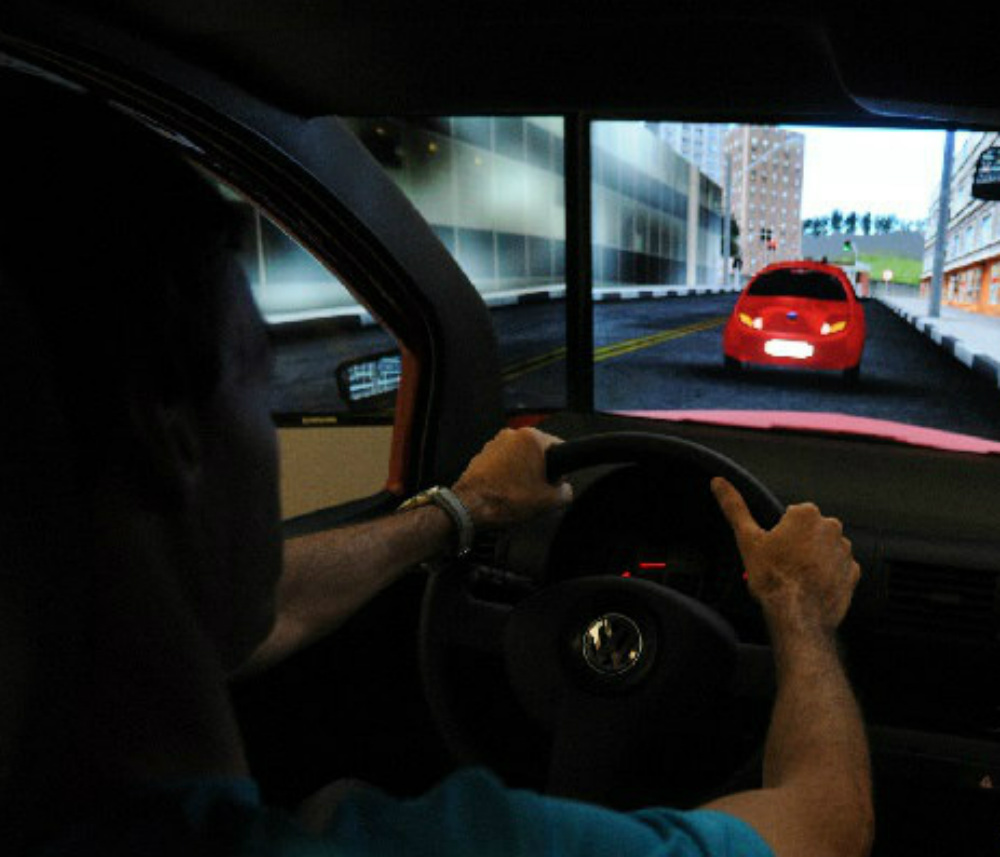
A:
(939, 600)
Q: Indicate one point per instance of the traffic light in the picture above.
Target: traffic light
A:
(848, 246)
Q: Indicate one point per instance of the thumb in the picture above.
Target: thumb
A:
(735, 510)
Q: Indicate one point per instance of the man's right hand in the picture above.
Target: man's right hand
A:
(816, 796)
(802, 572)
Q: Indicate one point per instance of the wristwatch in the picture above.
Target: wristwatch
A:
(445, 499)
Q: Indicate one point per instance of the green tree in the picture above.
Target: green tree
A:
(837, 220)
(866, 223)
(851, 223)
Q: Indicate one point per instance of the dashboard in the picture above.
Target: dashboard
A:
(922, 638)
(921, 642)
(657, 525)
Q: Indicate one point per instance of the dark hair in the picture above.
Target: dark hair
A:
(117, 250)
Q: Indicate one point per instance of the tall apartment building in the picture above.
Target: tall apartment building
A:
(700, 144)
(972, 240)
(766, 180)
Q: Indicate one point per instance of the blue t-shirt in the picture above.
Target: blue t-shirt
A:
(470, 814)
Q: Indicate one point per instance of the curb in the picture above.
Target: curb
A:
(981, 364)
(602, 294)
(353, 318)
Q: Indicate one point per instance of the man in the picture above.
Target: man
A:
(142, 555)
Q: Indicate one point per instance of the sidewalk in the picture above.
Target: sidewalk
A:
(354, 315)
(972, 338)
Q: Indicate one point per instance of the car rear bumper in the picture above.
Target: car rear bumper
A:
(836, 352)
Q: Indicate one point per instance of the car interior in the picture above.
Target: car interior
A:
(282, 105)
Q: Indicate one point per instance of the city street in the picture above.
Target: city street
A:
(667, 354)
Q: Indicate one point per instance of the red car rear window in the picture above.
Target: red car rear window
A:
(798, 284)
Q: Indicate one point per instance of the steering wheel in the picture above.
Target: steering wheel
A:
(619, 671)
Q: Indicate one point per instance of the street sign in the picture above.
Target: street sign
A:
(986, 181)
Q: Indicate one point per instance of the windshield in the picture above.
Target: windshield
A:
(684, 217)
(836, 206)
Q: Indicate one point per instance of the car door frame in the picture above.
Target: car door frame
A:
(314, 178)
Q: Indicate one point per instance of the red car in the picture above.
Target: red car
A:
(797, 314)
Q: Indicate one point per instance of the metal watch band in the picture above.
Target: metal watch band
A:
(446, 500)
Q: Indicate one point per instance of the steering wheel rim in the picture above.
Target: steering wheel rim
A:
(450, 617)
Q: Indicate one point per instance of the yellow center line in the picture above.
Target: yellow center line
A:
(615, 349)
(627, 346)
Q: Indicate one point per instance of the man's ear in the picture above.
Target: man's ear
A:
(166, 462)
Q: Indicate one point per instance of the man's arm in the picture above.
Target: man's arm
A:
(816, 797)
(328, 576)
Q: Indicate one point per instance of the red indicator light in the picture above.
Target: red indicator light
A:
(647, 566)
(746, 576)
(626, 574)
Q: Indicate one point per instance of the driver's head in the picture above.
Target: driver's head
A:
(133, 368)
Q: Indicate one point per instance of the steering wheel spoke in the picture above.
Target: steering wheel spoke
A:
(462, 619)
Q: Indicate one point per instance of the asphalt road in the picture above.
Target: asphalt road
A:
(667, 354)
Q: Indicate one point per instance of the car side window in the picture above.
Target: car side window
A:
(333, 406)
(493, 190)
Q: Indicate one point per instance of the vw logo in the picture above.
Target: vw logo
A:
(612, 644)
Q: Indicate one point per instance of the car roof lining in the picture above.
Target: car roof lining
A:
(710, 61)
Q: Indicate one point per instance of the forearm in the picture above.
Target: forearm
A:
(816, 795)
(329, 575)
(817, 735)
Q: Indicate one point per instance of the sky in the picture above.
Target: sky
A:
(884, 172)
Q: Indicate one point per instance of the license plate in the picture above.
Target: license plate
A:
(789, 348)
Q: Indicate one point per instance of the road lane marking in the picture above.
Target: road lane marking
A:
(615, 349)
(627, 346)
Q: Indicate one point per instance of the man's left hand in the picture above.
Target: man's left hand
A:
(505, 483)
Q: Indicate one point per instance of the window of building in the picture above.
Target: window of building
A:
(974, 280)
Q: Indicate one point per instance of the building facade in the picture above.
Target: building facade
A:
(766, 180)
(701, 144)
(493, 190)
(657, 219)
(972, 241)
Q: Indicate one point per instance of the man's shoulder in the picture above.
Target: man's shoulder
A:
(472, 812)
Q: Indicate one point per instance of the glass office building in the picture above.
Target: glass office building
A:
(492, 188)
